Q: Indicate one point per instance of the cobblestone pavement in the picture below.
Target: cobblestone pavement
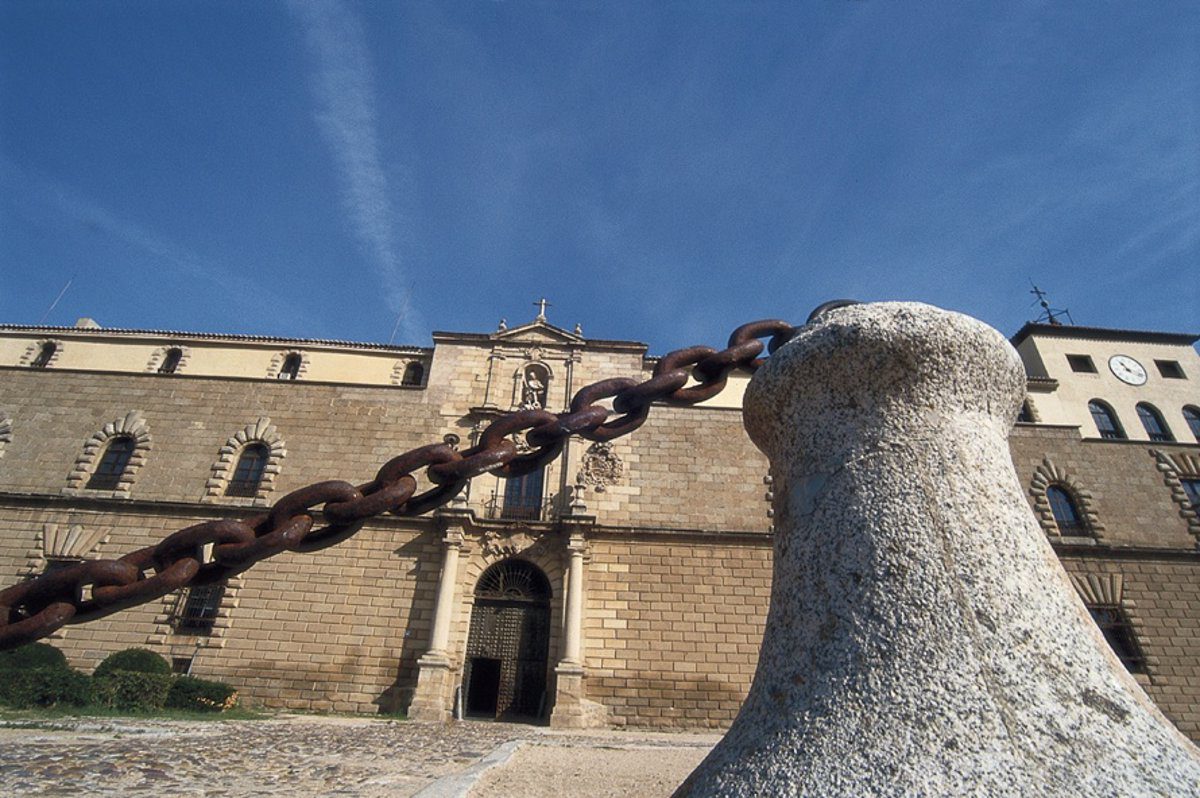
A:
(292, 755)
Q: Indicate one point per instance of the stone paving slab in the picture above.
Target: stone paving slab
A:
(290, 755)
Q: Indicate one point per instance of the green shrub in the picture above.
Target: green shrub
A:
(45, 687)
(130, 690)
(199, 695)
(32, 655)
(138, 660)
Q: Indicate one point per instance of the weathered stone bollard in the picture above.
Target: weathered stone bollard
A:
(922, 637)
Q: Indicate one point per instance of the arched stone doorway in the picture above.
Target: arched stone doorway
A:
(508, 644)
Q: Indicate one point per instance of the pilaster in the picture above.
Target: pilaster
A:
(433, 697)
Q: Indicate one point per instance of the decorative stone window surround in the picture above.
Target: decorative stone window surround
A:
(35, 349)
(62, 542)
(183, 644)
(545, 551)
(261, 431)
(280, 357)
(160, 354)
(133, 426)
(1034, 416)
(402, 365)
(1175, 468)
(1108, 590)
(1048, 474)
(6, 432)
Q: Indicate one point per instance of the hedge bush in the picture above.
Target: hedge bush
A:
(138, 660)
(32, 655)
(45, 687)
(131, 690)
(200, 695)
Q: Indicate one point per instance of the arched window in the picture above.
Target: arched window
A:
(1066, 512)
(290, 369)
(171, 361)
(1106, 421)
(107, 475)
(1152, 420)
(1192, 416)
(413, 374)
(513, 580)
(248, 474)
(44, 355)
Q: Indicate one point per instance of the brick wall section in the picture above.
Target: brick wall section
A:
(336, 630)
(1162, 600)
(331, 431)
(672, 629)
(677, 582)
(1128, 493)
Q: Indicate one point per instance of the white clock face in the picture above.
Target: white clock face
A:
(1127, 370)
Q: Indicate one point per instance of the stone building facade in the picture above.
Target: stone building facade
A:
(627, 584)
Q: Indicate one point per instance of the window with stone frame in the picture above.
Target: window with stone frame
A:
(1066, 512)
(1118, 631)
(196, 609)
(290, 370)
(44, 355)
(248, 473)
(171, 361)
(112, 465)
(414, 373)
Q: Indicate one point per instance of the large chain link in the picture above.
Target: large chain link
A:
(88, 590)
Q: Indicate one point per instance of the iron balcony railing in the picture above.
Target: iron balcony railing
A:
(497, 507)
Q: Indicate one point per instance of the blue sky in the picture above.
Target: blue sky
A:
(660, 171)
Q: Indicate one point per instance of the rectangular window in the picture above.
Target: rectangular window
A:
(1119, 633)
(1081, 363)
(1170, 369)
(1191, 487)
(181, 665)
(523, 497)
(196, 609)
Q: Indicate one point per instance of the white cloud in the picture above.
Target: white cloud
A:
(343, 89)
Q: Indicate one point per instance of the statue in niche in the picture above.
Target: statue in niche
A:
(533, 388)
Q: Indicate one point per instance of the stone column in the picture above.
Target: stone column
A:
(922, 638)
(571, 709)
(433, 698)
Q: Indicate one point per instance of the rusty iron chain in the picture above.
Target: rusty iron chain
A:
(93, 589)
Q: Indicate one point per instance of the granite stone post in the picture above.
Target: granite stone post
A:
(922, 637)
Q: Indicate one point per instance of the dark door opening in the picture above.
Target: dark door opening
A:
(483, 691)
(508, 644)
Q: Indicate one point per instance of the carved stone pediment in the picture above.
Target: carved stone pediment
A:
(537, 332)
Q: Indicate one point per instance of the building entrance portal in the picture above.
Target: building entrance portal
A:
(509, 643)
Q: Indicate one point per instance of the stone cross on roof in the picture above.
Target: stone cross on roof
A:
(541, 304)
